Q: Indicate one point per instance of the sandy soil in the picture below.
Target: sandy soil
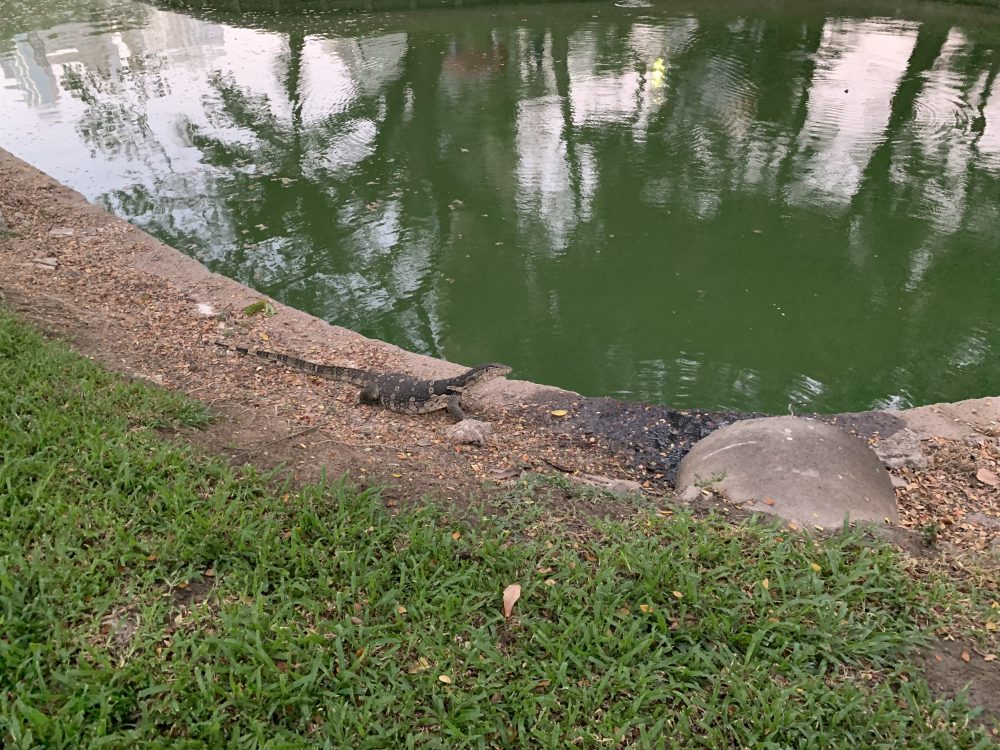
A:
(144, 309)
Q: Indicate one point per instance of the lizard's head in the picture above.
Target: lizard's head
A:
(489, 371)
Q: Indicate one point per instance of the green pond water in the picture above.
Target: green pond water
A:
(717, 205)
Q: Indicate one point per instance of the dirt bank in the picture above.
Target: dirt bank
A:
(145, 309)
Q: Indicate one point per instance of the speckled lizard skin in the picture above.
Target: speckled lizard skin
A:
(394, 390)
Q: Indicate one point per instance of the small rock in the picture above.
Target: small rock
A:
(988, 477)
(690, 494)
(469, 432)
(897, 482)
(901, 450)
(615, 486)
(206, 310)
(504, 474)
(49, 264)
(983, 520)
(62, 232)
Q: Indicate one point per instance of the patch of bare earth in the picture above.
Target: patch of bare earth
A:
(953, 504)
(145, 310)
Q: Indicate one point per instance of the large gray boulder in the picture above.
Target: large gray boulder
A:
(802, 470)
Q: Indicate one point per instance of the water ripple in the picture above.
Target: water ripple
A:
(941, 111)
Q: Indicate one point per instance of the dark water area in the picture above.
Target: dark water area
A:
(716, 206)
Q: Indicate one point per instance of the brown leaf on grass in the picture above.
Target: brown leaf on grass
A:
(541, 685)
(988, 477)
(420, 665)
(510, 596)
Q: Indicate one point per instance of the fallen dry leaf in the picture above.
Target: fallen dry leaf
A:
(510, 596)
(456, 535)
(559, 412)
(420, 665)
(965, 656)
(768, 501)
(645, 608)
(678, 594)
(444, 678)
(816, 568)
(766, 583)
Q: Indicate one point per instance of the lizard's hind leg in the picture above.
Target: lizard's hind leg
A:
(369, 395)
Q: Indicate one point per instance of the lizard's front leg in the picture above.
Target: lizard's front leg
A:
(454, 406)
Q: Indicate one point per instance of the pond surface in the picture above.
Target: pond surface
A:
(717, 206)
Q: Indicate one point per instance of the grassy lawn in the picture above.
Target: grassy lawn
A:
(153, 597)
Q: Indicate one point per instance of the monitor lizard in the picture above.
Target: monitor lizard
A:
(394, 390)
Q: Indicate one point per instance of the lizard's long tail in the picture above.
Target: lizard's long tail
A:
(333, 372)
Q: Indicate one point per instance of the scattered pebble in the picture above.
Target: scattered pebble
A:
(469, 432)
